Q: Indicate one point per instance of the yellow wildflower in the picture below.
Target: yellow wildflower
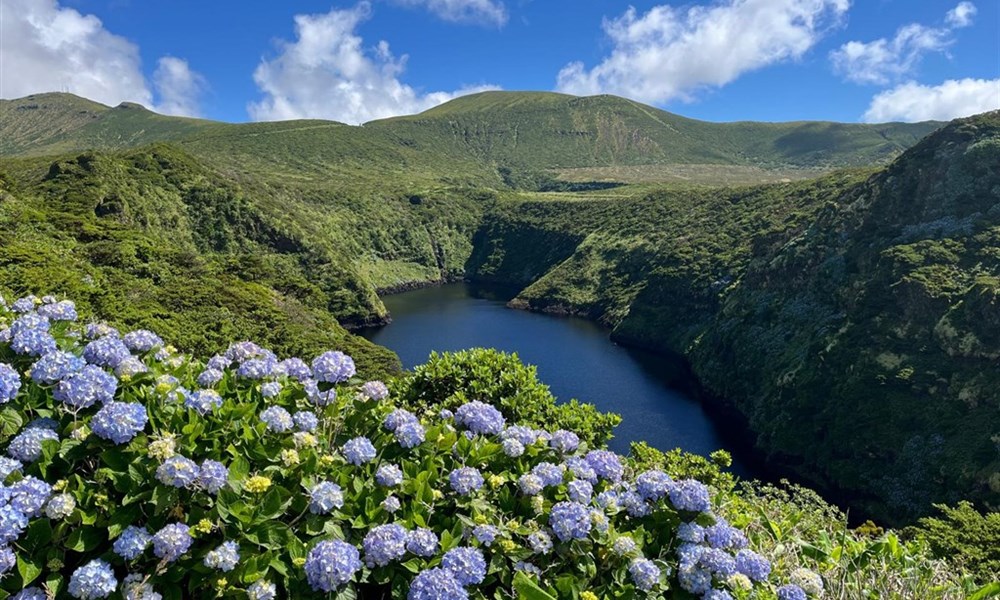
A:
(258, 484)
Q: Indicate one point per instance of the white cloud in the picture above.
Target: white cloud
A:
(961, 15)
(882, 61)
(670, 52)
(952, 99)
(178, 87)
(327, 73)
(487, 12)
(47, 48)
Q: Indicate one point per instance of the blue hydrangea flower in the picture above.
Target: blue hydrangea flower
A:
(608, 500)
(296, 368)
(512, 448)
(384, 544)
(564, 441)
(119, 421)
(95, 579)
(86, 387)
(60, 506)
(30, 322)
(526, 436)
(7, 559)
(527, 567)
(12, 523)
(791, 592)
(481, 418)
(690, 495)
(209, 377)
(465, 480)
(212, 476)
(717, 595)
(753, 565)
(436, 584)
(203, 401)
(218, 363)
(549, 473)
(374, 390)
(277, 419)
(580, 490)
(410, 434)
(331, 564)
(719, 562)
(606, 464)
(324, 497)
(689, 555)
(317, 396)
(466, 564)
(446, 415)
(30, 593)
(257, 368)
(8, 466)
(224, 558)
(178, 471)
(389, 476)
(391, 504)
(132, 542)
(653, 485)
(23, 305)
(422, 542)
(92, 331)
(485, 534)
(397, 417)
(581, 469)
(243, 351)
(10, 383)
(723, 535)
(64, 310)
(27, 445)
(624, 546)
(333, 367)
(262, 590)
(142, 340)
(54, 366)
(634, 505)
(171, 542)
(33, 342)
(359, 450)
(696, 581)
(530, 484)
(306, 420)
(691, 532)
(540, 542)
(570, 521)
(130, 367)
(270, 389)
(645, 574)
(107, 351)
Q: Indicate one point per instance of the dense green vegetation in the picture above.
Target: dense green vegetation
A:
(849, 320)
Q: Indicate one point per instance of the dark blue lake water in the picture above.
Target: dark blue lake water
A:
(575, 358)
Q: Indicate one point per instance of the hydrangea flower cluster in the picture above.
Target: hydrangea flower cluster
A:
(242, 451)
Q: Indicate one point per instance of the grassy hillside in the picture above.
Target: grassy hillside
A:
(851, 319)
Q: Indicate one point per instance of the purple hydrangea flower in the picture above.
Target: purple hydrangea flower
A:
(436, 584)
(719, 562)
(753, 565)
(466, 564)
(570, 521)
(24, 305)
(465, 480)
(93, 580)
(119, 421)
(132, 542)
(324, 497)
(333, 367)
(725, 536)
(331, 564)
(384, 544)
(422, 542)
(479, 417)
(172, 541)
(359, 450)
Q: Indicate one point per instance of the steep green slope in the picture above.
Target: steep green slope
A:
(851, 321)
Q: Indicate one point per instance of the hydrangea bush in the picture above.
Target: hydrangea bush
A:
(132, 470)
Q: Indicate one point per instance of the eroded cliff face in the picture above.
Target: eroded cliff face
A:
(853, 321)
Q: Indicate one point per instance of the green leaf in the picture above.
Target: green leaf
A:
(29, 570)
(527, 589)
(990, 590)
(84, 539)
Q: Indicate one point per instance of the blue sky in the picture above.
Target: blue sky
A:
(719, 60)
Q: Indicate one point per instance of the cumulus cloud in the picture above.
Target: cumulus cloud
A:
(882, 61)
(48, 48)
(952, 99)
(178, 87)
(485, 12)
(670, 52)
(328, 73)
(961, 15)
